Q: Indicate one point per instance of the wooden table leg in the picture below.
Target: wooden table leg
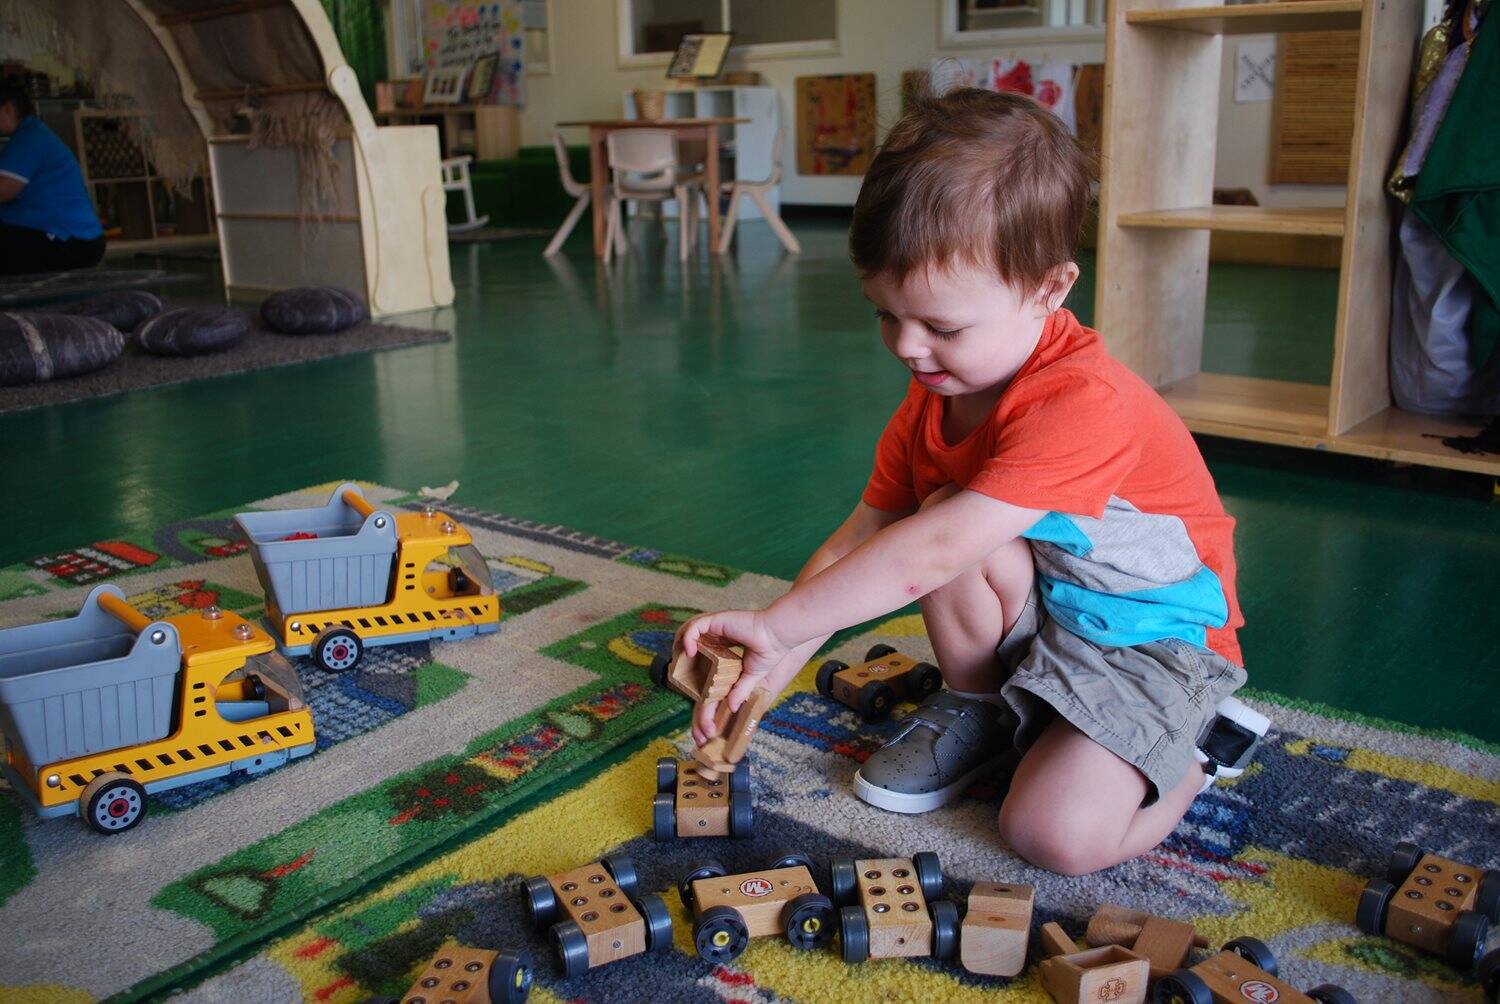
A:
(712, 136)
(597, 168)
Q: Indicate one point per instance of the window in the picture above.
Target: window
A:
(537, 25)
(983, 22)
(650, 29)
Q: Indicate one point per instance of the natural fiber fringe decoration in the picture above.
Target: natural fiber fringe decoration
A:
(110, 44)
(308, 124)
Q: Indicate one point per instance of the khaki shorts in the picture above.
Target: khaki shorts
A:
(1147, 704)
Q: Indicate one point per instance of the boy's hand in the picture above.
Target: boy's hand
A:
(766, 661)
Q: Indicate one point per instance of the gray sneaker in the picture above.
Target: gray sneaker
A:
(942, 748)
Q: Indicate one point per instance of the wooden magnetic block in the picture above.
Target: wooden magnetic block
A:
(1055, 941)
(1232, 978)
(760, 897)
(456, 974)
(718, 756)
(592, 900)
(1113, 974)
(1426, 906)
(996, 928)
(900, 926)
(709, 675)
(1163, 942)
(702, 805)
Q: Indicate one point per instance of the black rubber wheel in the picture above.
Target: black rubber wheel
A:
(1374, 902)
(808, 921)
(791, 859)
(1182, 987)
(720, 935)
(1466, 939)
(572, 948)
(1488, 975)
(117, 803)
(740, 779)
(854, 934)
(510, 977)
(929, 874)
(622, 870)
(666, 774)
(658, 671)
(925, 679)
(541, 901)
(1255, 952)
(703, 870)
(741, 815)
(879, 652)
(459, 583)
(337, 650)
(1404, 857)
(658, 922)
(876, 701)
(1332, 993)
(826, 673)
(944, 928)
(1487, 901)
(663, 816)
(842, 881)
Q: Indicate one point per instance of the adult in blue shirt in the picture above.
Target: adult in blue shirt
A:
(47, 221)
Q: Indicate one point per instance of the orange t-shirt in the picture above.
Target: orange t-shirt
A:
(1135, 546)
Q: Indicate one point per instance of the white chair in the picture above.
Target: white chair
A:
(644, 165)
(583, 193)
(456, 179)
(757, 190)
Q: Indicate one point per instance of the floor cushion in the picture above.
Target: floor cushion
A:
(312, 310)
(192, 331)
(124, 309)
(43, 346)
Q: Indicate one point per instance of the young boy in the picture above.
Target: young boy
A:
(1052, 514)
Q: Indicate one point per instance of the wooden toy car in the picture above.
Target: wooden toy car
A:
(889, 908)
(709, 677)
(1165, 944)
(1432, 903)
(687, 804)
(469, 976)
(1108, 973)
(875, 686)
(103, 708)
(996, 928)
(729, 910)
(606, 918)
(1244, 971)
(345, 575)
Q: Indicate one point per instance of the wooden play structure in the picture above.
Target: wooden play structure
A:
(373, 223)
(1162, 67)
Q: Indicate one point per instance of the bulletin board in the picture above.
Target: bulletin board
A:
(458, 33)
(835, 123)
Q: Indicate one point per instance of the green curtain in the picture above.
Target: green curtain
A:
(360, 27)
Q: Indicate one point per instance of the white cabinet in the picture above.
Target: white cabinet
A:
(744, 148)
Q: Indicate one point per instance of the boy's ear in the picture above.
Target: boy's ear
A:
(1056, 287)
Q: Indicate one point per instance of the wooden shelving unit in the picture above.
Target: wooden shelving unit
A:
(1162, 71)
(126, 188)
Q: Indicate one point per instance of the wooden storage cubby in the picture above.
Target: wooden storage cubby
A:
(126, 188)
(1162, 71)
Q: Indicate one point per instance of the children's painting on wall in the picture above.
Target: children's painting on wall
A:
(835, 123)
(464, 33)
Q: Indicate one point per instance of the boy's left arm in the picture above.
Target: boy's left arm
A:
(904, 562)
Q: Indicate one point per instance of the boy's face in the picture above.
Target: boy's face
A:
(960, 329)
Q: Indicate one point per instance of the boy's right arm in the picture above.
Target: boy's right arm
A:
(862, 524)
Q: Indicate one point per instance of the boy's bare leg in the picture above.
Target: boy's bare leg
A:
(1074, 807)
(967, 618)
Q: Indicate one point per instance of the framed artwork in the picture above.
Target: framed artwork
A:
(700, 55)
(482, 78)
(444, 86)
(835, 123)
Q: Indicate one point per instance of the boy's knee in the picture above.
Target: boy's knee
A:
(1057, 844)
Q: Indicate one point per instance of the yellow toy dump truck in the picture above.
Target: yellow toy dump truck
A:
(101, 709)
(345, 575)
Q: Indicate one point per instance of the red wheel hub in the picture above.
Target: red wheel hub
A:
(118, 807)
(340, 652)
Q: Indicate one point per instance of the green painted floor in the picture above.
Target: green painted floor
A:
(730, 413)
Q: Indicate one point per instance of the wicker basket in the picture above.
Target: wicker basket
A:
(650, 105)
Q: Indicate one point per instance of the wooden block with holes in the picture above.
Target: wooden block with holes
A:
(590, 898)
(461, 975)
(1110, 973)
(875, 686)
(1162, 942)
(687, 804)
(896, 908)
(996, 929)
(719, 756)
(1432, 903)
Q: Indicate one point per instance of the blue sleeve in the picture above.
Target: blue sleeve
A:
(22, 156)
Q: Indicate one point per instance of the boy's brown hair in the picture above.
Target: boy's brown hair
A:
(975, 177)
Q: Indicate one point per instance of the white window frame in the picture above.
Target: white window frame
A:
(1058, 13)
(628, 58)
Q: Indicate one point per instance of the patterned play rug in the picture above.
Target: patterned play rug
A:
(1279, 855)
(419, 745)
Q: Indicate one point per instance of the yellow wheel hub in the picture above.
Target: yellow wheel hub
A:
(721, 938)
(812, 925)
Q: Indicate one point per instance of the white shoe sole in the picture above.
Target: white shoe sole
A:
(909, 804)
